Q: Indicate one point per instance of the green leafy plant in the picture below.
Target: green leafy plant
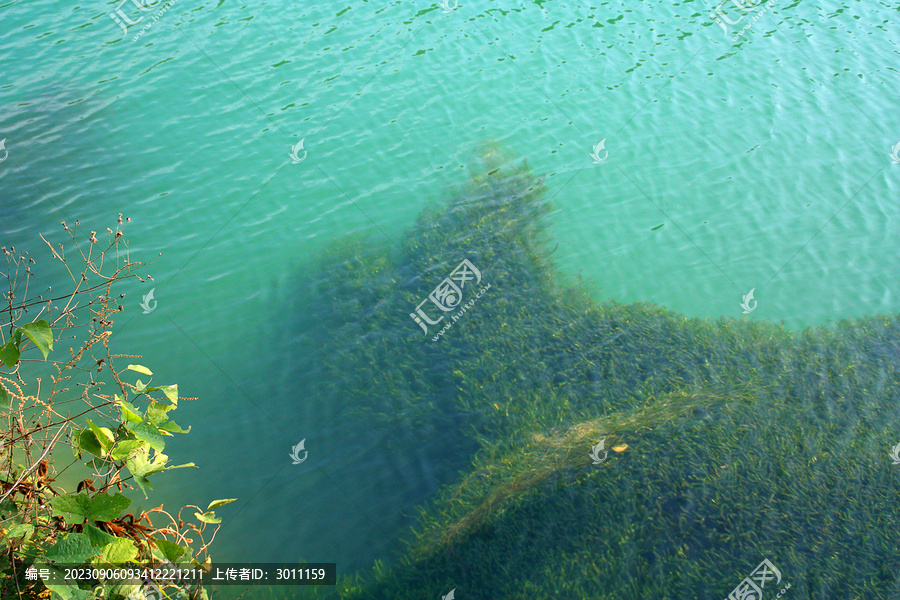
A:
(120, 436)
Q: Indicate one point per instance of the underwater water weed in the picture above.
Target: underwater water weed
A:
(503, 474)
(739, 439)
(691, 503)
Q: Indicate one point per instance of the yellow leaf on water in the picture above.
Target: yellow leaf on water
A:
(621, 448)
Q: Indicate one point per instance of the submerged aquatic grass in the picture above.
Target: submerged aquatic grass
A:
(736, 440)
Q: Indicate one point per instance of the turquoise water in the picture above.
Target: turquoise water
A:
(759, 164)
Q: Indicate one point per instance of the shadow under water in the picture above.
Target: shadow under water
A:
(727, 442)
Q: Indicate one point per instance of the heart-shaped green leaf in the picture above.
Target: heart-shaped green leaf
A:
(170, 550)
(41, 335)
(156, 413)
(9, 354)
(23, 530)
(126, 448)
(72, 549)
(129, 411)
(119, 551)
(150, 434)
(78, 508)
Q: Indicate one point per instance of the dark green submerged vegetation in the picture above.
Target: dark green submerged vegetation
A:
(744, 440)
